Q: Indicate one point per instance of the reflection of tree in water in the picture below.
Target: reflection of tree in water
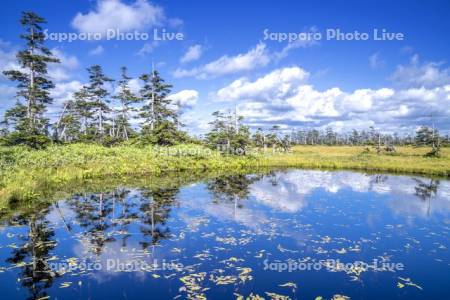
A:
(33, 254)
(231, 188)
(101, 213)
(425, 191)
(92, 215)
(155, 210)
(123, 213)
(377, 179)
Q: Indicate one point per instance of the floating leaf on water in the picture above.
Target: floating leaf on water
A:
(244, 274)
(65, 284)
(340, 251)
(223, 280)
(275, 296)
(279, 247)
(289, 284)
(408, 281)
(238, 296)
(254, 297)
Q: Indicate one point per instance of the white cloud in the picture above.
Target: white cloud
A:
(135, 85)
(193, 53)
(273, 85)
(8, 60)
(97, 50)
(185, 98)
(416, 74)
(63, 92)
(114, 14)
(256, 57)
(63, 70)
(283, 97)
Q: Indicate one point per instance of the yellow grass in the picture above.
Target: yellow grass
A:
(405, 160)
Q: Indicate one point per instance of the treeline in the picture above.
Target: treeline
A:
(97, 114)
(423, 136)
(229, 134)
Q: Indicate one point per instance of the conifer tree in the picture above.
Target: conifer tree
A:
(228, 134)
(98, 97)
(158, 112)
(126, 98)
(33, 83)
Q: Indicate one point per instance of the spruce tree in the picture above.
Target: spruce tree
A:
(96, 99)
(27, 116)
(126, 98)
(160, 117)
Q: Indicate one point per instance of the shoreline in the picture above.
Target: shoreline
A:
(26, 175)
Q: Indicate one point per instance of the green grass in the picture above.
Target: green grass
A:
(29, 175)
(406, 160)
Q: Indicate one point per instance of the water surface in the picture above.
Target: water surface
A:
(283, 235)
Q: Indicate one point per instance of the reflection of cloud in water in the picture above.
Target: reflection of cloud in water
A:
(283, 195)
(288, 194)
(60, 214)
(227, 211)
(132, 254)
(406, 202)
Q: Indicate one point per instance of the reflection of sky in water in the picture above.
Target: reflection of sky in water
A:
(223, 232)
(286, 191)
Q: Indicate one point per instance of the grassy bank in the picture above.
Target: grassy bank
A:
(29, 174)
(408, 160)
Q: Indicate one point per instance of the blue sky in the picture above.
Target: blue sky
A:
(224, 61)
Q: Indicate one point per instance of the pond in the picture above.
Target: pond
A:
(278, 235)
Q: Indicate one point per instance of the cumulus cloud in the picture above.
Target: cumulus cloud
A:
(63, 70)
(273, 85)
(184, 98)
(254, 58)
(283, 97)
(117, 15)
(417, 74)
(193, 53)
(62, 93)
(8, 60)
